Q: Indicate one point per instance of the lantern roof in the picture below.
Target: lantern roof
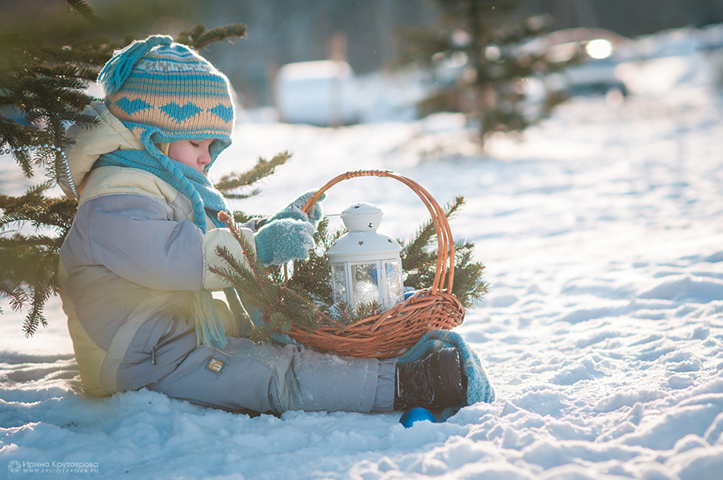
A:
(362, 217)
(363, 242)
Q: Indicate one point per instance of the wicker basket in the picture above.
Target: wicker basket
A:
(393, 332)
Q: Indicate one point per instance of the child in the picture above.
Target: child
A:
(135, 265)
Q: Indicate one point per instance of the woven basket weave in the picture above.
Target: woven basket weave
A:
(391, 333)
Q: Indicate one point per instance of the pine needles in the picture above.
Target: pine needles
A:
(199, 38)
(263, 168)
(419, 261)
(232, 185)
(263, 288)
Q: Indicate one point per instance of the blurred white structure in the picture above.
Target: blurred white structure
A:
(711, 50)
(714, 57)
(318, 93)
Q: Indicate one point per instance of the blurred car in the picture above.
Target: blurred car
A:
(596, 74)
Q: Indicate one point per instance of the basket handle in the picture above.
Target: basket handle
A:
(445, 244)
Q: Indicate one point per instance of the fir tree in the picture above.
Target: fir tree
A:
(42, 92)
(488, 44)
(419, 261)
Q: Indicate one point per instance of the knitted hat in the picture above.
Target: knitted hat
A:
(165, 92)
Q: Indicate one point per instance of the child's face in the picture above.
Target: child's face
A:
(193, 153)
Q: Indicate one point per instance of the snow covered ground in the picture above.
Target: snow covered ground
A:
(602, 233)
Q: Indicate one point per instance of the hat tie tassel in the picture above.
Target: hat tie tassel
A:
(118, 68)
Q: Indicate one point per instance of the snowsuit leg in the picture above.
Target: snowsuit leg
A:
(275, 378)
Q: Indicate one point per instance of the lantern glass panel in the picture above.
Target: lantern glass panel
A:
(395, 288)
(365, 279)
(339, 282)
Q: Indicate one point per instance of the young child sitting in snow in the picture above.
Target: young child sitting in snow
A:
(135, 265)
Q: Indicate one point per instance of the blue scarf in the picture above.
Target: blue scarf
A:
(204, 198)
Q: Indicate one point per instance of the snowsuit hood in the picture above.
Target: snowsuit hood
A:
(107, 136)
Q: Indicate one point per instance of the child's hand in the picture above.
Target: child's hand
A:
(294, 211)
(316, 211)
(283, 240)
(289, 234)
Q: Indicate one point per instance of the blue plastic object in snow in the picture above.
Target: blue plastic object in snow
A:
(416, 415)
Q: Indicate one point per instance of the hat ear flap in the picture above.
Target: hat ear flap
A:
(118, 68)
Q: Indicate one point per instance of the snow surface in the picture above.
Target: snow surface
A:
(602, 232)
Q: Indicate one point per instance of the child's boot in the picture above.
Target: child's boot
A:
(434, 382)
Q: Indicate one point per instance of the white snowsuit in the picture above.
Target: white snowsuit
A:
(129, 267)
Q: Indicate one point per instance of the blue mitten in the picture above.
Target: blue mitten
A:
(314, 215)
(284, 239)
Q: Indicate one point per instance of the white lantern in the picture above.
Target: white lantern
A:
(365, 264)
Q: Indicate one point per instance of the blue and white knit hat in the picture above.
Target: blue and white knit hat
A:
(165, 92)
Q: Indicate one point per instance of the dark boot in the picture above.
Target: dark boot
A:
(434, 382)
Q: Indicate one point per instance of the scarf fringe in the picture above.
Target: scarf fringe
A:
(209, 330)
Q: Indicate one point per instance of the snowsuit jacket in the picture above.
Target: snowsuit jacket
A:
(128, 270)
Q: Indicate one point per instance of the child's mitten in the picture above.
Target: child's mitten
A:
(294, 211)
(283, 240)
(315, 213)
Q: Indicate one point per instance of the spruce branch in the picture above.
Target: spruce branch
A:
(37, 209)
(281, 306)
(419, 261)
(253, 269)
(243, 217)
(85, 11)
(262, 169)
(305, 302)
(311, 276)
(199, 38)
(27, 276)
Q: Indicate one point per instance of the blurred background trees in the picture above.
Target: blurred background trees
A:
(484, 53)
(284, 31)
